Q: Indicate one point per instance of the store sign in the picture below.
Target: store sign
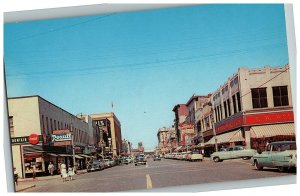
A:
(269, 118)
(33, 139)
(229, 124)
(61, 138)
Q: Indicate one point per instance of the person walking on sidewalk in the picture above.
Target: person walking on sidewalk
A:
(71, 172)
(51, 168)
(33, 171)
(16, 176)
(63, 170)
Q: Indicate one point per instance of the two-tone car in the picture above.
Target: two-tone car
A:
(140, 160)
(233, 153)
(281, 155)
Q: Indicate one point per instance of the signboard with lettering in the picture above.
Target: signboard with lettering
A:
(32, 139)
(268, 118)
(61, 138)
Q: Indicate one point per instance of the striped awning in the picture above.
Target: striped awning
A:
(178, 148)
(272, 130)
(78, 157)
(233, 136)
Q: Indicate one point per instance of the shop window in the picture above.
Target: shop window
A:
(280, 96)
(259, 97)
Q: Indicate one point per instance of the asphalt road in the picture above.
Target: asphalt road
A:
(156, 174)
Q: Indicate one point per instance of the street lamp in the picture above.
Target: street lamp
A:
(73, 147)
(213, 126)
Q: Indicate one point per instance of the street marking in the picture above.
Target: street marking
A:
(149, 182)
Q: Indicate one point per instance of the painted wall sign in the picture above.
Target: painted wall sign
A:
(25, 140)
(229, 124)
(267, 118)
(33, 139)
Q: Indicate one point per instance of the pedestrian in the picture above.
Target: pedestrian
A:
(33, 171)
(59, 168)
(71, 172)
(16, 176)
(51, 168)
(63, 170)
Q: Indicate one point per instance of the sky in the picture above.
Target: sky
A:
(143, 62)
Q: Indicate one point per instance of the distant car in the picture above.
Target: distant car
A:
(140, 160)
(281, 155)
(156, 157)
(93, 166)
(233, 153)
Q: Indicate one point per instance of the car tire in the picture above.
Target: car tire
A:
(281, 169)
(216, 159)
(257, 166)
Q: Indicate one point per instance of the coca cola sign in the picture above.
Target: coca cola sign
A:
(33, 139)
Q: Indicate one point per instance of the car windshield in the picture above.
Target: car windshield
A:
(283, 147)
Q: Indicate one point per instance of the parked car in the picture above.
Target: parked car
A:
(93, 166)
(156, 157)
(195, 156)
(281, 155)
(233, 153)
(140, 160)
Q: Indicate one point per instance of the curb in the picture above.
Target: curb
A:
(23, 189)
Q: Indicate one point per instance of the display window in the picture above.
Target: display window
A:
(34, 163)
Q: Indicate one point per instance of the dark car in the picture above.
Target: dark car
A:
(94, 165)
(156, 157)
(140, 160)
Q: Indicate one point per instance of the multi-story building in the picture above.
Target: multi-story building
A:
(181, 112)
(42, 132)
(110, 133)
(251, 108)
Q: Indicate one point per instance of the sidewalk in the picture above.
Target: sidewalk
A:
(27, 183)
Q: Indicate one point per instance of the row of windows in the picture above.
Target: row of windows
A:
(49, 125)
(236, 103)
(260, 98)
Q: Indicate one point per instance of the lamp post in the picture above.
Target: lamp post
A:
(213, 126)
(73, 147)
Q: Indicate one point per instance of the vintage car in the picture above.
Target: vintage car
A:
(195, 156)
(233, 153)
(93, 166)
(281, 155)
(156, 157)
(140, 160)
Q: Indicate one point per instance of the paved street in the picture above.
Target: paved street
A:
(156, 175)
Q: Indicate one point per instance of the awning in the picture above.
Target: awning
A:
(233, 136)
(86, 156)
(54, 155)
(78, 157)
(178, 148)
(64, 155)
(272, 130)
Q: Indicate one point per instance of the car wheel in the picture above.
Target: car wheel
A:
(257, 166)
(216, 159)
(281, 169)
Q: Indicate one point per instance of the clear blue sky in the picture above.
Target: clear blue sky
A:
(144, 62)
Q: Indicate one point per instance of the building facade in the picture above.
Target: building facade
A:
(253, 107)
(181, 112)
(37, 128)
(110, 133)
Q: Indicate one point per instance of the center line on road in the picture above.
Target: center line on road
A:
(149, 182)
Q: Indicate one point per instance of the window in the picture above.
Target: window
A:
(11, 126)
(51, 125)
(259, 97)
(54, 124)
(43, 125)
(280, 96)
(221, 112)
(234, 104)
(225, 109)
(47, 125)
(228, 104)
(238, 102)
